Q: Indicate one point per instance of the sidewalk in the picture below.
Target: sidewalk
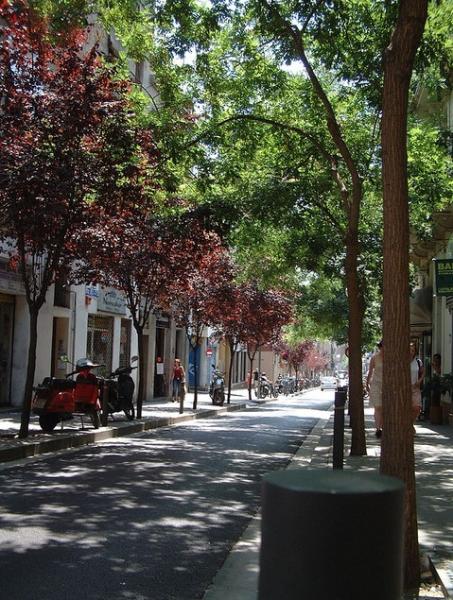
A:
(238, 577)
(155, 414)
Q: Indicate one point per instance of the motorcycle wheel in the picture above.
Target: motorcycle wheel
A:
(130, 413)
(264, 392)
(48, 422)
(95, 419)
(275, 392)
(217, 398)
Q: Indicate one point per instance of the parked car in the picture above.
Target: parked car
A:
(329, 383)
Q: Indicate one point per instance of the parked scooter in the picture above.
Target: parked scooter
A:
(58, 400)
(217, 387)
(264, 387)
(121, 389)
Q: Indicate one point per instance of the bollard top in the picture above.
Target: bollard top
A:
(334, 482)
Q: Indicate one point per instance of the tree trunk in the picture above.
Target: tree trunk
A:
(141, 371)
(195, 376)
(251, 377)
(397, 455)
(230, 370)
(31, 366)
(355, 323)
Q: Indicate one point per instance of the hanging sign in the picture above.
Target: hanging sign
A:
(10, 280)
(91, 291)
(112, 301)
(444, 276)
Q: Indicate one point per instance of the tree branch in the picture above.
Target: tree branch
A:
(352, 208)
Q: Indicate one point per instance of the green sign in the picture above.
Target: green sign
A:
(444, 276)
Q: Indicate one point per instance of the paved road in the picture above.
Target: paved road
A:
(151, 516)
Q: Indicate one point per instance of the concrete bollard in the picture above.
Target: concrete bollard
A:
(331, 535)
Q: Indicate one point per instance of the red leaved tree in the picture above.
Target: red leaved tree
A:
(147, 258)
(297, 354)
(260, 317)
(229, 322)
(65, 151)
(196, 299)
(316, 360)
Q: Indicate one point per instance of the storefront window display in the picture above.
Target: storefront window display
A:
(100, 342)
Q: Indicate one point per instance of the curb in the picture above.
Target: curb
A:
(77, 439)
(442, 573)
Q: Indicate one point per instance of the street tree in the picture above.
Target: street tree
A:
(331, 124)
(66, 152)
(296, 354)
(315, 123)
(196, 298)
(145, 255)
(397, 456)
(229, 324)
(316, 361)
(263, 314)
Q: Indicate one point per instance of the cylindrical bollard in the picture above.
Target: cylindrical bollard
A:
(338, 428)
(331, 535)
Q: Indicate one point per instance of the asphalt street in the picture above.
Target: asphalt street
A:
(145, 517)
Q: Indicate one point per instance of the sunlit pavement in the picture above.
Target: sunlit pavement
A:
(238, 579)
(148, 516)
(79, 432)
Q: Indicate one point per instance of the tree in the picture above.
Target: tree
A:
(65, 150)
(228, 323)
(397, 457)
(262, 315)
(315, 360)
(146, 256)
(320, 131)
(297, 354)
(195, 298)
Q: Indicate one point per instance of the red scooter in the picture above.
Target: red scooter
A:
(58, 400)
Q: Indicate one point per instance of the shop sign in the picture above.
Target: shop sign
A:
(111, 301)
(10, 280)
(444, 276)
(162, 320)
(91, 291)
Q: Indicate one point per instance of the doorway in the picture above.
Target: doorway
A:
(159, 377)
(125, 343)
(100, 342)
(6, 347)
(60, 343)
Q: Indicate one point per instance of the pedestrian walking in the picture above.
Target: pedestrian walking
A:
(417, 375)
(178, 380)
(182, 395)
(374, 387)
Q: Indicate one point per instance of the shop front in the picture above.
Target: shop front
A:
(100, 342)
(162, 366)
(109, 332)
(11, 287)
(6, 346)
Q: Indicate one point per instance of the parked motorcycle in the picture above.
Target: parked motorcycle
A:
(121, 389)
(58, 400)
(217, 387)
(278, 386)
(264, 387)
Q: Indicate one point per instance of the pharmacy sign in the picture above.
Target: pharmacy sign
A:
(444, 276)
